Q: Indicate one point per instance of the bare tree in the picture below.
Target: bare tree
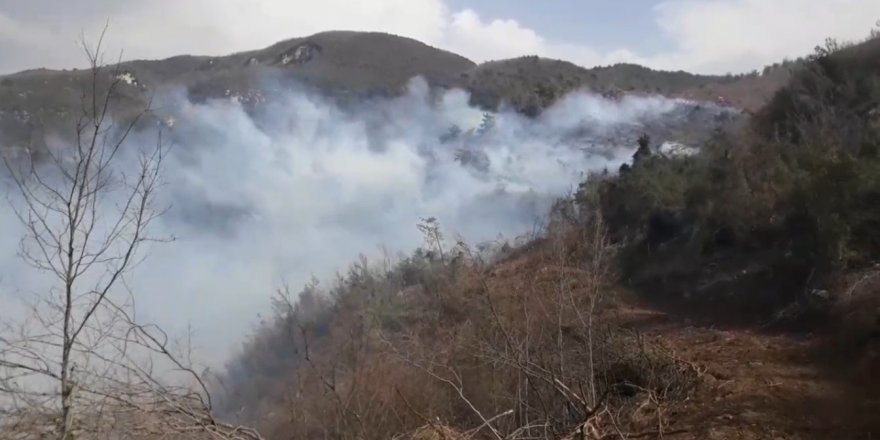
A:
(81, 360)
(430, 229)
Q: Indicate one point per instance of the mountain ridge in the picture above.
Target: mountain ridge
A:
(347, 66)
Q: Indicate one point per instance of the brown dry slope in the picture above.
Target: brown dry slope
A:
(757, 385)
(753, 384)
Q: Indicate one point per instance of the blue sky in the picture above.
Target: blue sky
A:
(703, 36)
(604, 24)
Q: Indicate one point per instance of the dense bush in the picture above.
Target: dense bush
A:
(832, 99)
(785, 206)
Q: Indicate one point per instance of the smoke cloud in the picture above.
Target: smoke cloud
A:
(301, 187)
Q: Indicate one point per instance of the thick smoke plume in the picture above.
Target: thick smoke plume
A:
(300, 187)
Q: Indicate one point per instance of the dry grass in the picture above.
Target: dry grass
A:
(515, 350)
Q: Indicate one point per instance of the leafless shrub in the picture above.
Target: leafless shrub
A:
(79, 365)
(857, 308)
(453, 347)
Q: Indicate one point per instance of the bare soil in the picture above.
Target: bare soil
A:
(758, 385)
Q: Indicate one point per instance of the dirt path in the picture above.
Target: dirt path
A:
(760, 386)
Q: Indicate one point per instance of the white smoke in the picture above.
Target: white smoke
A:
(301, 186)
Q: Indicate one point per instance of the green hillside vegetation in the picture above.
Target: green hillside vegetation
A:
(773, 221)
(530, 84)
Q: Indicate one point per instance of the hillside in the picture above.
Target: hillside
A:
(348, 66)
(727, 289)
(732, 294)
(530, 84)
(39, 102)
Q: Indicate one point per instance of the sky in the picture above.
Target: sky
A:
(702, 36)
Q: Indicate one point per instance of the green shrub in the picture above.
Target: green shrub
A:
(798, 197)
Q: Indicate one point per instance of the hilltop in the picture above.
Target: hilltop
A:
(38, 102)
(348, 66)
(531, 83)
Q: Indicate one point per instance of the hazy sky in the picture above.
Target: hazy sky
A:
(712, 36)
